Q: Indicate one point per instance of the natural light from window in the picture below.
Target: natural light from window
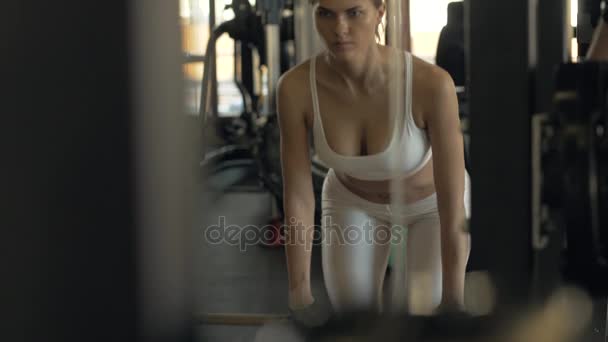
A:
(427, 18)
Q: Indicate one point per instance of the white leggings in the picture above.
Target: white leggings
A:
(356, 247)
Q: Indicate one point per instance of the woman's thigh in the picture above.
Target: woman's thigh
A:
(355, 251)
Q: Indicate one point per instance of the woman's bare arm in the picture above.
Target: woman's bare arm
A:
(448, 160)
(298, 196)
(598, 51)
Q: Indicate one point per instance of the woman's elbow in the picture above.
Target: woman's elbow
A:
(300, 201)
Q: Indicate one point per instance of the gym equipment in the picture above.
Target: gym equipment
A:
(450, 47)
(570, 179)
(574, 193)
(252, 139)
(589, 12)
(450, 56)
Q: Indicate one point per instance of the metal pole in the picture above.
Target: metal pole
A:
(406, 35)
(553, 42)
(498, 38)
(273, 61)
(307, 40)
(213, 60)
(554, 35)
(271, 11)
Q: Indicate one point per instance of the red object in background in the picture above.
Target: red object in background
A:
(272, 236)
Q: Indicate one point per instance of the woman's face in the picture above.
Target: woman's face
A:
(347, 27)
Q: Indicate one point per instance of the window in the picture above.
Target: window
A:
(573, 22)
(427, 18)
(195, 32)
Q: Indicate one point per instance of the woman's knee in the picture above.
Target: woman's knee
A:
(354, 261)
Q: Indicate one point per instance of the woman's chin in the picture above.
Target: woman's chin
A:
(342, 54)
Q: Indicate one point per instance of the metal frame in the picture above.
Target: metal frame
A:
(553, 34)
(498, 37)
(553, 41)
(512, 56)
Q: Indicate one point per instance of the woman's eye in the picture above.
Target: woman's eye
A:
(355, 13)
(324, 14)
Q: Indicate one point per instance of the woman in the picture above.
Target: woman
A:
(341, 95)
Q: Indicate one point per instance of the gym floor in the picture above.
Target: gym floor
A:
(250, 280)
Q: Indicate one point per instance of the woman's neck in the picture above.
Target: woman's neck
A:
(362, 75)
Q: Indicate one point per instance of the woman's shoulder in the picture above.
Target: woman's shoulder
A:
(424, 72)
(430, 81)
(431, 85)
(297, 76)
(293, 87)
(429, 75)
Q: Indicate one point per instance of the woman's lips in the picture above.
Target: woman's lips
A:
(344, 45)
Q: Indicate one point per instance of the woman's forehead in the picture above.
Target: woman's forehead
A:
(343, 4)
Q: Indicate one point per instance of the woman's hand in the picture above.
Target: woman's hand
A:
(300, 297)
(303, 308)
(309, 316)
(450, 308)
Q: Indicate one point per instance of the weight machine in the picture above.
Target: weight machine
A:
(264, 44)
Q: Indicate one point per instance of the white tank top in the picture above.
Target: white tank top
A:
(414, 142)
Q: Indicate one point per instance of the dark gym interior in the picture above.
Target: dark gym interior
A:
(125, 145)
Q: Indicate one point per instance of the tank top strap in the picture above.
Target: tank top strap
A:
(313, 88)
(410, 124)
(409, 80)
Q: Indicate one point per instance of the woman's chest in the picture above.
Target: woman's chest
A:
(355, 125)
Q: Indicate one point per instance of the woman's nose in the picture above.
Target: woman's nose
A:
(341, 27)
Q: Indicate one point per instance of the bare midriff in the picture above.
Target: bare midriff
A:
(414, 188)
